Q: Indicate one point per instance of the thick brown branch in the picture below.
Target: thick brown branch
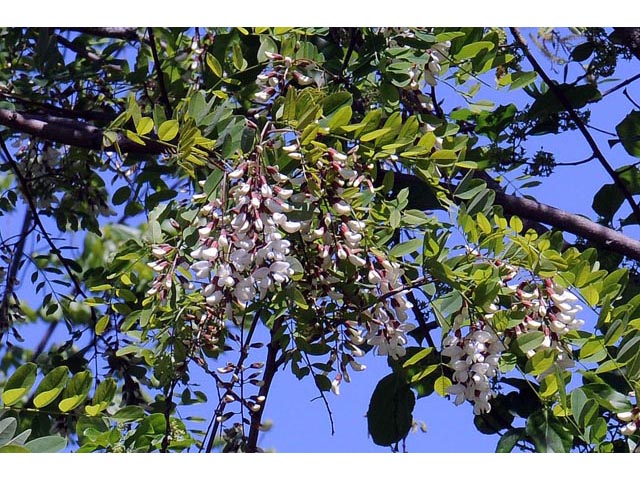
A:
(539, 212)
(566, 104)
(73, 133)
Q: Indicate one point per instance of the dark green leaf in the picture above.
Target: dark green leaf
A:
(51, 386)
(509, 440)
(390, 413)
(548, 434)
(19, 383)
(629, 132)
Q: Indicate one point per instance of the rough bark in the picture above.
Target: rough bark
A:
(73, 133)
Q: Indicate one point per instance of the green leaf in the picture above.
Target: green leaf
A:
(76, 391)
(509, 440)
(607, 201)
(14, 449)
(474, 49)
(406, 248)
(121, 195)
(629, 349)
(629, 132)
(168, 130)
(48, 444)
(417, 357)
(548, 434)
(144, 126)
(521, 79)
(19, 383)
(129, 413)
(583, 409)
(51, 386)
(577, 95)
(106, 391)
(390, 413)
(441, 384)
(375, 134)
(607, 397)
(529, 341)
(8, 428)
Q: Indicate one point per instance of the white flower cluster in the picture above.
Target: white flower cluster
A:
(438, 53)
(474, 359)
(273, 81)
(241, 251)
(386, 324)
(551, 310)
(631, 420)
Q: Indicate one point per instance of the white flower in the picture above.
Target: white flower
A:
(342, 207)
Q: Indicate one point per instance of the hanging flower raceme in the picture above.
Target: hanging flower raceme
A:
(242, 253)
(553, 311)
(474, 358)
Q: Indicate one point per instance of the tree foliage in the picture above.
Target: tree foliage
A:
(262, 201)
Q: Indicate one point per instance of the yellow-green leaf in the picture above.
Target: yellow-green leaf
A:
(144, 126)
(101, 325)
(441, 384)
(168, 130)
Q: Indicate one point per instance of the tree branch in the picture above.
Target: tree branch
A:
(578, 121)
(539, 212)
(73, 133)
(271, 366)
(13, 273)
(163, 89)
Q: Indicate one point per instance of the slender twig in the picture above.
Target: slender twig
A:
(163, 89)
(622, 84)
(633, 102)
(553, 87)
(244, 353)
(13, 272)
(352, 45)
(36, 217)
(271, 366)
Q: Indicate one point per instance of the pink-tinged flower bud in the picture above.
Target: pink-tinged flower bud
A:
(290, 148)
(204, 231)
(254, 407)
(210, 253)
(302, 79)
(342, 207)
(290, 227)
(214, 299)
(152, 291)
(295, 155)
(237, 173)
(629, 429)
(336, 155)
(273, 56)
(262, 96)
(625, 416)
(357, 261)
(228, 398)
(287, 61)
(357, 367)
(157, 266)
(198, 196)
(227, 369)
(159, 252)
